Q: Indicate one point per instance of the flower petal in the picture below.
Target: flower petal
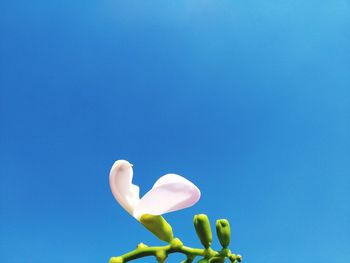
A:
(171, 178)
(120, 181)
(170, 193)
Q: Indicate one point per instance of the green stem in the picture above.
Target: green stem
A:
(161, 252)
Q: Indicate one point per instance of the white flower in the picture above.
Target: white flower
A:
(171, 192)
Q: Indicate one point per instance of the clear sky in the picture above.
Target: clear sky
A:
(250, 100)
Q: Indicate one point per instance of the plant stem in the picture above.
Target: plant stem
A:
(160, 252)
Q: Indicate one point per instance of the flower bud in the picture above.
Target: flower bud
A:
(158, 226)
(141, 245)
(161, 256)
(223, 232)
(202, 226)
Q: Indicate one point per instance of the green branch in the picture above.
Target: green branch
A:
(162, 230)
(160, 252)
(175, 246)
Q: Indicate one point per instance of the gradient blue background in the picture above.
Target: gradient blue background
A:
(249, 100)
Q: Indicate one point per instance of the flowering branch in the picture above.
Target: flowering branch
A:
(175, 245)
(171, 192)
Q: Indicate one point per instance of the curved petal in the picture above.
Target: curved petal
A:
(120, 181)
(170, 193)
(171, 178)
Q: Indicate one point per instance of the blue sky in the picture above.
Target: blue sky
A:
(249, 100)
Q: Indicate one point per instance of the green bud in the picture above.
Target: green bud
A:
(141, 245)
(158, 226)
(232, 258)
(223, 232)
(203, 230)
(235, 258)
(161, 256)
(203, 260)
